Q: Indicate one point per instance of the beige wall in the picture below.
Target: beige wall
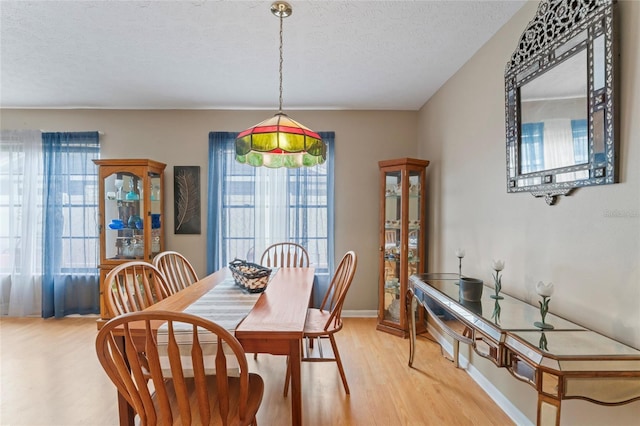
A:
(180, 138)
(592, 258)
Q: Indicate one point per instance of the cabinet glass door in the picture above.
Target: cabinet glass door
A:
(415, 205)
(392, 245)
(156, 217)
(124, 216)
(402, 238)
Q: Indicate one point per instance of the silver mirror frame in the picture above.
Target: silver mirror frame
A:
(548, 40)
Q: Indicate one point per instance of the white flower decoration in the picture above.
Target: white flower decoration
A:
(460, 253)
(544, 290)
(498, 265)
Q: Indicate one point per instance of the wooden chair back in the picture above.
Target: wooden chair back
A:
(133, 286)
(285, 255)
(337, 291)
(177, 270)
(389, 238)
(154, 380)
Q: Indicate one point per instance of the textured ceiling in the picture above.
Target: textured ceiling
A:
(383, 55)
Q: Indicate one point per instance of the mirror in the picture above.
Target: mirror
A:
(560, 96)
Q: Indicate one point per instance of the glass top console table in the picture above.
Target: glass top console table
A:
(567, 362)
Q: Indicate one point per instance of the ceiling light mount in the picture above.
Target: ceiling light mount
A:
(281, 9)
(280, 141)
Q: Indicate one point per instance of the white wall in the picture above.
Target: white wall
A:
(588, 244)
(180, 138)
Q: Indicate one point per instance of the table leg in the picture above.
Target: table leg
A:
(548, 411)
(125, 412)
(456, 351)
(411, 312)
(296, 383)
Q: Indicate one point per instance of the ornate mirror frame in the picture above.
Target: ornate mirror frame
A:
(561, 30)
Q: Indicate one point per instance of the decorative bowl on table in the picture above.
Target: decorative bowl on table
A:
(471, 289)
(250, 276)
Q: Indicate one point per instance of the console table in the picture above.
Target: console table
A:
(567, 362)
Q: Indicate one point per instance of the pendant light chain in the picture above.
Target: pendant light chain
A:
(280, 108)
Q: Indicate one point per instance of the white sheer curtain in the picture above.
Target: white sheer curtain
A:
(21, 222)
(272, 208)
(558, 144)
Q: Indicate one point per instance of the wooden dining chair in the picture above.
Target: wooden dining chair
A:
(133, 286)
(285, 255)
(323, 323)
(176, 269)
(175, 389)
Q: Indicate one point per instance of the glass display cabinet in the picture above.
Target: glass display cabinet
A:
(131, 217)
(402, 237)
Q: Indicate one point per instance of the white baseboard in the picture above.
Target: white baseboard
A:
(503, 402)
(360, 314)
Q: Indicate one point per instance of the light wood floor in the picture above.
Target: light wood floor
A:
(50, 376)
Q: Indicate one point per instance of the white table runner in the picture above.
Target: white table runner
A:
(226, 304)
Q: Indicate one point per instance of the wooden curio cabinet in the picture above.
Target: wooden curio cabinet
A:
(131, 218)
(402, 238)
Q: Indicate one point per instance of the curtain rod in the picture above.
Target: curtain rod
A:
(100, 132)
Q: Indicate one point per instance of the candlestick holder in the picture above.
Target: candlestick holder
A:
(498, 265)
(543, 342)
(496, 311)
(544, 309)
(459, 254)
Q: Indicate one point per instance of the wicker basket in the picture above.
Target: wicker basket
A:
(250, 276)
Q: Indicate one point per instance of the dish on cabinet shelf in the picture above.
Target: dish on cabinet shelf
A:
(393, 190)
(116, 224)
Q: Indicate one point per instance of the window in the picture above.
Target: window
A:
(580, 135)
(531, 148)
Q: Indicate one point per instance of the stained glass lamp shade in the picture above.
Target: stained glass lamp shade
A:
(280, 142)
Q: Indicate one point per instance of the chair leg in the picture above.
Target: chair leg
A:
(255, 356)
(287, 378)
(334, 346)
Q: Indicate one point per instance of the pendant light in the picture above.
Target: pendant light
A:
(280, 141)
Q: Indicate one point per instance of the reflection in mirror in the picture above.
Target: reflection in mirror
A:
(560, 98)
(554, 117)
(598, 59)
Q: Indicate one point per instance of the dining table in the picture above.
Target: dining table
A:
(274, 325)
